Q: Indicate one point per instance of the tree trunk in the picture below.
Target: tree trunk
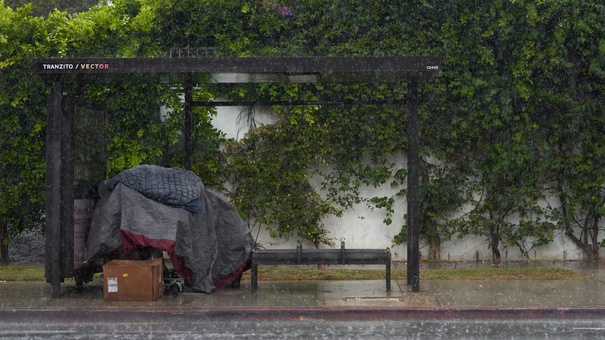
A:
(594, 235)
(432, 235)
(496, 257)
(3, 246)
(590, 250)
(431, 230)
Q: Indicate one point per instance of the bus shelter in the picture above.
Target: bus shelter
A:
(185, 73)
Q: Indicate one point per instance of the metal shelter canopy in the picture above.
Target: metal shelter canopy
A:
(246, 70)
(188, 71)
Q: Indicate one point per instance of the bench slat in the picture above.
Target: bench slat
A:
(321, 257)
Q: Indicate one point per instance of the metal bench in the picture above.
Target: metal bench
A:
(301, 256)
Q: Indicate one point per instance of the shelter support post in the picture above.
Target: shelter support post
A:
(413, 272)
(59, 188)
(67, 188)
(53, 188)
(188, 121)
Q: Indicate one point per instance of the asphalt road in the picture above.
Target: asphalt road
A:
(19, 324)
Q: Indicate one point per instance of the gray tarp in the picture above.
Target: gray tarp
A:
(212, 244)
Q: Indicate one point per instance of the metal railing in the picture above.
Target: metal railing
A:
(191, 52)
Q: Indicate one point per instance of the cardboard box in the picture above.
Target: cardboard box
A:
(127, 280)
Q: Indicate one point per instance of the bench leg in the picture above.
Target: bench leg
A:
(389, 275)
(253, 275)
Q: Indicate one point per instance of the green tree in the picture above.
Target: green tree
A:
(489, 131)
(269, 177)
(22, 122)
(44, 7)
(568, 77)
(136, 131)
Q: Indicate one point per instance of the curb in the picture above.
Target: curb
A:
(356, 313)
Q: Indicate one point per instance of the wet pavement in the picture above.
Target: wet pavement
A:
(435, 295)
(443, 309)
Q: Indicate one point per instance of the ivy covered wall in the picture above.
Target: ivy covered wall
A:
(511, 134)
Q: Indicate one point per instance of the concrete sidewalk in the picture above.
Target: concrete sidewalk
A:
(588, 294)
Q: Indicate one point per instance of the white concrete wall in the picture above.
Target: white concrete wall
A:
(362, 227)
(232, 120)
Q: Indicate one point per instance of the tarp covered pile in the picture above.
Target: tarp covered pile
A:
(169, 209)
